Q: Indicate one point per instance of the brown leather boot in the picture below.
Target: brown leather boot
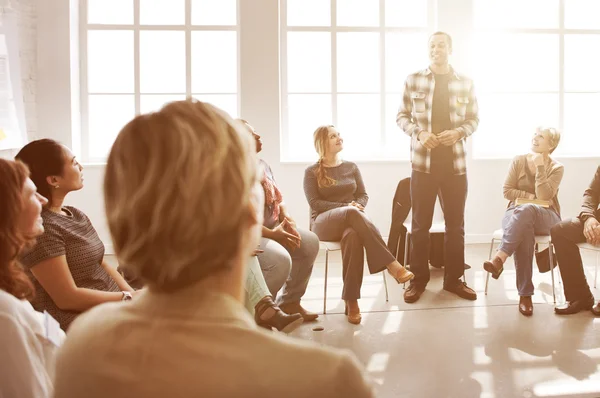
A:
(526, 305)
(494, 267)
(268, 315)
(294, 307)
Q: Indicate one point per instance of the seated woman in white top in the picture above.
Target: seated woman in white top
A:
(183, 204)
(27, 340)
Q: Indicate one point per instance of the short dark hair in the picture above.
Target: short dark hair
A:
(448, 37)
(44, 158)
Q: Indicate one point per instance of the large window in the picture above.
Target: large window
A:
(140, 54)
(344, 62)
(536, 63)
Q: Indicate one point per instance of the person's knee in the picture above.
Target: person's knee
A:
(310, 243)
(527, 210)
(353, 212)
(275, 264)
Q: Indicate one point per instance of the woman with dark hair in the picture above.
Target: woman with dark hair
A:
(67, 261)
(337, 197)
(27, 340)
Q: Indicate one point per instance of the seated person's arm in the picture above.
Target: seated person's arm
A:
(360, 195)
(55, 277)
(546, 186)
(511, 192)
(591, 199)
(117, 277)
(311, 190)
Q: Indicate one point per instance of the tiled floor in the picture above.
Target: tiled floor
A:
(443, 346)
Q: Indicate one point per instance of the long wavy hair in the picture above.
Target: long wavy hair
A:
(12, 277)
(321, 137)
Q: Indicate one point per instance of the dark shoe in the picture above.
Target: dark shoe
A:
(462, 290)
(596, 309)
(525, 305)
(413, 293)
(296, 308)
(494, 267)
(279, 320)
(573, 307)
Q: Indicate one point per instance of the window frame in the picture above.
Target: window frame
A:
(188, 28)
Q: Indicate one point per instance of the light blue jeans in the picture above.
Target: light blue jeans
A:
(256, 287)
(520, 225)
(293, 269)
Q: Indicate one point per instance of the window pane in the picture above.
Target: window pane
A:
(358, 62)
(107, 115)
(405, 53)
(502, 136)
(110, 12)
(306, 113)
(308, 12)
(227, 102)
(516, 62)
(162, 62)
(397, 143)
(162, 12)
(153, 103)
(214, 12)
(580, 136)
(214, 62)
(357, 12)
(516, 13)
(582, 63)
(359, 122)
(110, 61)
(582, 14)
(406, 13)
(309, 62)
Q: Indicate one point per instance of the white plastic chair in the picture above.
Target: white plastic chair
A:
(539, 240)
(587, 246)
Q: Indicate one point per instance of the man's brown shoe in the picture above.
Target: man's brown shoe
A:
(525, 305)
(413, 293)
(494, 267)
(295, 308)
(596, 309)
(462, 290)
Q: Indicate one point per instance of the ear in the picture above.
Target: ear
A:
(52, 180)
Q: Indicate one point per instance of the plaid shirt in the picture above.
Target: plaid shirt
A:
(414, 115)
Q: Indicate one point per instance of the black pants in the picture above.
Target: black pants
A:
(565, 237)
(453, 196)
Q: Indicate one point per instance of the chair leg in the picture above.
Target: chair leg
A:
(487, 277)
(406, 250)
(596, 268)
(387, 298)
(551, 270)
(325, 282)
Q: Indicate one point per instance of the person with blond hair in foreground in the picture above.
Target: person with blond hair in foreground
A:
(184, 203)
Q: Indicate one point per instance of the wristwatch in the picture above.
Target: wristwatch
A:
(127, 296)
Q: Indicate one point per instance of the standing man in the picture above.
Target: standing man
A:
(438, 111)
(565, 237)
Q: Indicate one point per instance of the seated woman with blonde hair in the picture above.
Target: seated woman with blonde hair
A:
(534, 176)
(184, 207)
(28, 339)
(67, 262)
(336, 194)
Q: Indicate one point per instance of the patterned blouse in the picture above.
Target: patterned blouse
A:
(73, 236)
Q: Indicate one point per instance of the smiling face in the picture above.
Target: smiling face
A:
(440, 49)
(335, 143)
(31, 223)
(541, 142)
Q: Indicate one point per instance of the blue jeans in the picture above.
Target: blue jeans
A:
(256, 288)
(520, 225)
(280, 266)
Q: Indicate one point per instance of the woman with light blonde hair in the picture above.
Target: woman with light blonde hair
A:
(336, 194)
(531, 188)
(184, 208)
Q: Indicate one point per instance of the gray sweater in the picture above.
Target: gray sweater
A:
(348, 187)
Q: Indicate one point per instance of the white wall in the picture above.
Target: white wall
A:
(260, 90)
(26, 15)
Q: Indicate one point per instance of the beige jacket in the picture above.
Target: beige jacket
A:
(195, 344)
(544, 184)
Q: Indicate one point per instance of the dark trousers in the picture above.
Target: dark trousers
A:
(357, 234)
(565, 237)
(424, 190)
